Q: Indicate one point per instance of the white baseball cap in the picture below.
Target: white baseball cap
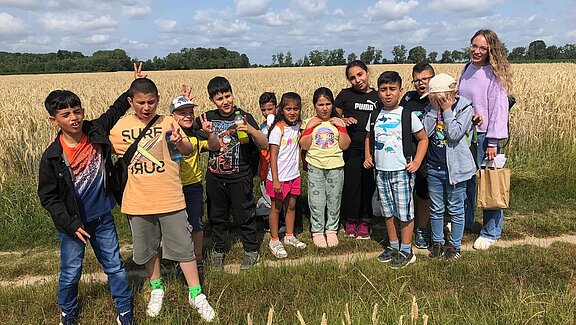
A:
(440, 83)
(180, 102)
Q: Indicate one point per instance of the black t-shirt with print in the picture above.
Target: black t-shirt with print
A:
(358, 105)
(234, 161)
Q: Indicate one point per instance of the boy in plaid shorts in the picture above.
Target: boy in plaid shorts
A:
(394, 170)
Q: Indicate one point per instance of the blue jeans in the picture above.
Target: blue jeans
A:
(492, 220)
(104, 241)
(445, 196)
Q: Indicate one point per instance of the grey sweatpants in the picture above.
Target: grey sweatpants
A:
(324, 190)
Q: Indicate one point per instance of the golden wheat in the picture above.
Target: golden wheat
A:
(545, 94)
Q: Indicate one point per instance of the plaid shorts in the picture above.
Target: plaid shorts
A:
(395, 191)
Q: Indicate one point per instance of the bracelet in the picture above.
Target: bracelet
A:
(342, 129)
(307, 131)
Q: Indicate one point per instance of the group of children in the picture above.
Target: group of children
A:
(163, 198)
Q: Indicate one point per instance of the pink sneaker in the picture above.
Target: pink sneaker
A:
(319, 240)
(331, 238)
(363, 230)
(350, 228)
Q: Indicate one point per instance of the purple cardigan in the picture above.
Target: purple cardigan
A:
(480, 85)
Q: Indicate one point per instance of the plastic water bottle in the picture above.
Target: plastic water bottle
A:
(242, 135)
(175, 154)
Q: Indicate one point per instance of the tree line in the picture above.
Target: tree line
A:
(65, 61)
(537, 51)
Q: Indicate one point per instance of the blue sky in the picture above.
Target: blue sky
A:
(261, 28)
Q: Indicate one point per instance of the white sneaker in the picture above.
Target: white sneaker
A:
(292, 240)
(155, 303)
(483, 243)
(277, 249)
(203, 307)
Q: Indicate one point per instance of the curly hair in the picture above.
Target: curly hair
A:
(497, 58)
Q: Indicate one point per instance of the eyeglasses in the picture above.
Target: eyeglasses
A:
(422, 80)
(475, 47)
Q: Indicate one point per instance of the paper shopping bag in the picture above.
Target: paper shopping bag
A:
(493, 188)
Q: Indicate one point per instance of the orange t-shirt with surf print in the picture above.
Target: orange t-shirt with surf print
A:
(154, 184)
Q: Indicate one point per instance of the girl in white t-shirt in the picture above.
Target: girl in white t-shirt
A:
(324, 137)
(283, 180)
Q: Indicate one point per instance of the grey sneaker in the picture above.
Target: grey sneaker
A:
(402, 260)
(217, 261)
(294, 242)
(250, 259)
(388, 254)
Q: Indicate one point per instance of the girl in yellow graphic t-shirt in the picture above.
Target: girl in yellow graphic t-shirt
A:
(324, 137)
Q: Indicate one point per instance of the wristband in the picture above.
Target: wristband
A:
(342, 129)
(307, 131)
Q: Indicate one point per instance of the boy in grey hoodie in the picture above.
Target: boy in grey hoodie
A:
(448, 124)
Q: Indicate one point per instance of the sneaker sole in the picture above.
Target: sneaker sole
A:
(362, 237)
(421, 246)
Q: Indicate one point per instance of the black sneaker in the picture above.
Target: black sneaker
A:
(217, 261)
(402, 260)
(437, 250)
(388, 254)
(69, 319)
(250, 259)
(451, 253)
(126, 318)
(421, 238)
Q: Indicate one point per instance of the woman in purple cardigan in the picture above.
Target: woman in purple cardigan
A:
(487, 81)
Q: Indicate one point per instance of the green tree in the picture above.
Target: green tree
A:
(305, 61)
(377, 57)
(517, 54)
(288, 60)
(446, 57)
(417, 54)
(432, 56)
(315, 58)
(352, 57)
(368, 55)
(537, 50)
(399, 53)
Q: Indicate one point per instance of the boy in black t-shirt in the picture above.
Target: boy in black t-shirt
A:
(229, 178)
(421, 75)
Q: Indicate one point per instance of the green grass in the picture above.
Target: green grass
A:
(520, 285)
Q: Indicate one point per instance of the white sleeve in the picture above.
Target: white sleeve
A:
(275, 136)
(416, 123)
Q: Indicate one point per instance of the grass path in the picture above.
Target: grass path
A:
(342, 259)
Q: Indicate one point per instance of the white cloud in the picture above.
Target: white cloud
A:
(165, 25)
(284, 18)
(338, 12)
(27, 4)
(403, 24)
(228, 29)
(464, 7)
(391, 9)
(97, 39)
(247, 8)
(11, 26)
(136, 11)
(339, 28)
(77, 22)
(312, 7)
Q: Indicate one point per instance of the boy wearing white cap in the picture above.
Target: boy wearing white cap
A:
(448, 124)
(182, 110)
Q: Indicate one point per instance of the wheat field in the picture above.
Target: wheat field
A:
(542, 122)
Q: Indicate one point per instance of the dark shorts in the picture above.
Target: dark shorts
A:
(194, 197)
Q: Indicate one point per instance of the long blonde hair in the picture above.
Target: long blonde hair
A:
(497, 58)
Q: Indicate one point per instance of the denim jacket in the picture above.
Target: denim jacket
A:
(458, 127)
(55, 186)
